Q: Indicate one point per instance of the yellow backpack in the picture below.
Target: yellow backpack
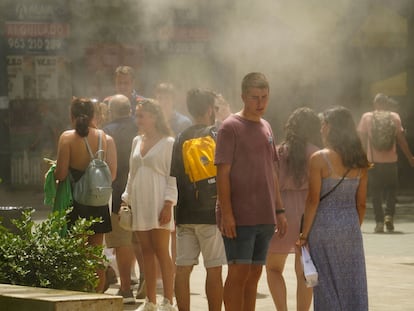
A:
(198, 159)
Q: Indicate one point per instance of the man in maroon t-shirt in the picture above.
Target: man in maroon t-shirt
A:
(249, 203)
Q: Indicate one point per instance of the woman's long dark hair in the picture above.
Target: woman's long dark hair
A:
(302, 127)
(82, 110)
(343, 137)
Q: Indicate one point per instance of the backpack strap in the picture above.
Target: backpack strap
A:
(100, 150)
(209, 131)
(85, 139)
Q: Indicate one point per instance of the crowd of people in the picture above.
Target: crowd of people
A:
(269, 198)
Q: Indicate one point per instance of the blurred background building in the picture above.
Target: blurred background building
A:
(316, 53)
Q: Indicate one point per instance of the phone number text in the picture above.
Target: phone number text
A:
(35, 44)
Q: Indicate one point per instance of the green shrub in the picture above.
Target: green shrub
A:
(39, 255)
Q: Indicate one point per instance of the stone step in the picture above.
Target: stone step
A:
(24, 298)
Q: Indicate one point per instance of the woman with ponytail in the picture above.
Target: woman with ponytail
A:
(73, 158)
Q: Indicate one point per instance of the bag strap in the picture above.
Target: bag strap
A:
(207, 131)
(100, 151)
(334, 187)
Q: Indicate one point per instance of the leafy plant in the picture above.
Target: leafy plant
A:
(39, 255)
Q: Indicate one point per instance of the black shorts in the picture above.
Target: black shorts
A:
(83, 211)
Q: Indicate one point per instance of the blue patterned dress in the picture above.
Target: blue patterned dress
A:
(336, 247)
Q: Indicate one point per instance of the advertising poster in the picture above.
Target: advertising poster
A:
(15, 78)
(36, 36)
(46, 77)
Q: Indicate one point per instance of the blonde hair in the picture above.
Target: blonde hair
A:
(152, 106)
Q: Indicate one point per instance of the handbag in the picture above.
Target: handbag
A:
(125, 218)
(309, 269)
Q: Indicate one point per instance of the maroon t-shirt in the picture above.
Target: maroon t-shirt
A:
(249, 148)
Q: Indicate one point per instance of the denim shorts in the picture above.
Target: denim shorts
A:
(250, 245)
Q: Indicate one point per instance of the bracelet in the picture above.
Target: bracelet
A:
(303, 237)
(280, 211)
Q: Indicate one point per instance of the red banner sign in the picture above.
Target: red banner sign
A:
(36, 30)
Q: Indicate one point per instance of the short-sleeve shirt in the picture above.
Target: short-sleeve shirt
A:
(249, 148)
(376, 156)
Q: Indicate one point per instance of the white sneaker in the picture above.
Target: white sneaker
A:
(165, 305)
(147, 306)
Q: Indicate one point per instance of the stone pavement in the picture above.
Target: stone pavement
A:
(389, 259)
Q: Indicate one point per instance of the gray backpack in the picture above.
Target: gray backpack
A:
(94, 188)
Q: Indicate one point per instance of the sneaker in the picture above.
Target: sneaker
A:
(142, 291)
(379, 228)
(127, 297)
(166, 305)
(147, 306)
(389, 223)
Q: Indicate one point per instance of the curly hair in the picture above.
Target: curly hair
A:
(152, 106)
(302, 127)
(343, 137)
(82, 111)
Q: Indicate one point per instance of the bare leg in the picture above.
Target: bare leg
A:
(149, 264)
(233, 293)
(138, 255)
(250, 288)
(303, 293)
(97, 239)
(275, 264)
(160, 242)
(182, 287)
(124, 259)
(173, 249)
(214, 288)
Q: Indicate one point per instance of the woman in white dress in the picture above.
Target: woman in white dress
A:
(152, 192)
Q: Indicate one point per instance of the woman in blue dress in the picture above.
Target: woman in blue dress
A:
(331, 226)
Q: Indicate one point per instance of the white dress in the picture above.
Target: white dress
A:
(150, 184)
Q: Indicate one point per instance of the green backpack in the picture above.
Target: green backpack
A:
(382, 130)
(94, 188)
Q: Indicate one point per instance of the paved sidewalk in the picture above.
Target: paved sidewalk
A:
(389, 259)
